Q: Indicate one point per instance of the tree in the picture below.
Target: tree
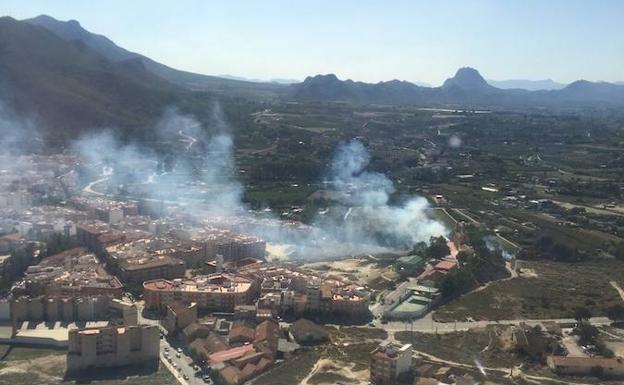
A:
(438, 248)
(420, 248)
(582, 314)
(616, 313)
(587, 333)
(457, 283)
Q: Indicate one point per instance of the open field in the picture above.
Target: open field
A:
(554, 291)
(363, 271)
(464, 347)
(347, 357)
(292, 371)
(21, 365)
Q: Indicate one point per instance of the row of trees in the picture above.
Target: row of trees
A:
(615, 313)
(21, 258)
(437, 248)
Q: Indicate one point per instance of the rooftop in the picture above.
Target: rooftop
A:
(230, 354)
(214, 283)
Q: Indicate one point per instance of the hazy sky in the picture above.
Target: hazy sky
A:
(364, 40)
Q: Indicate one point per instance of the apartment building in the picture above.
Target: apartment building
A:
(390, 361)
(215, 292)
(112, 346)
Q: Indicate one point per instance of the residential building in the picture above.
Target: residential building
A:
(72, 273)
(179, 316)
(389, 362)
(112, 346)
(612, 368)
(215, 292)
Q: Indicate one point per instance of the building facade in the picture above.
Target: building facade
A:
(389, 361)
(215, 292)
(114, 346)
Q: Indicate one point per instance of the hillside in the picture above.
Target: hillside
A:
(467, 88)
(67, 88)
(72, 31)
(529, 85)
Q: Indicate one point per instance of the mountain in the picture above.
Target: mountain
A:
(329, 87)
(467, 88)
(529, 85)
(72, 31)
(467, 79)
(66, 87)
(252, 80)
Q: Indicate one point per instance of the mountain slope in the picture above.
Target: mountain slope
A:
(67, 88)
(466, 89)
(72, 31)
(529, 85)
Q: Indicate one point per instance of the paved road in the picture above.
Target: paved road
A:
(183, 364)
(179, 366)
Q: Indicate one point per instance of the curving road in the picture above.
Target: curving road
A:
(89, 188)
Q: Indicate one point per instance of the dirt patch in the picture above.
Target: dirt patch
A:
(526, 272)
(361, 271)
(327, 371)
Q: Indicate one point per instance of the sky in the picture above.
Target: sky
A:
(424, 41)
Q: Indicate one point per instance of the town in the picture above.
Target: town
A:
(114, 285)
(311, 193)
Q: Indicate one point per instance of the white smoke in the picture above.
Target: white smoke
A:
(371, 219)
(18, 134)
(192, 163)
(187, 162)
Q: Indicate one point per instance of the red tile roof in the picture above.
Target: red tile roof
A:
(445, 265)
(230, 354)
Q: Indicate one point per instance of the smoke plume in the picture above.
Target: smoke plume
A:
(370, 219)
(191, 164)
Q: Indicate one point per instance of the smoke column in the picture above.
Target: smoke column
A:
(370, 219)
(194, 165)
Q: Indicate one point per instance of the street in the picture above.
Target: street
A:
(179, 366)
(183, 364)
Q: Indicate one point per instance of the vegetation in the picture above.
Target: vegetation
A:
(616, 313)
(463, 347)
(437, 248)
(476, 267)
(554, 291)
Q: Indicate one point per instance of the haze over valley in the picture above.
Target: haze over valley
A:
(348, 193)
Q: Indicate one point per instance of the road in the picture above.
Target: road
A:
(167, 347)
(190, 141)
(618, 288)
(179, 366)
(89, 188)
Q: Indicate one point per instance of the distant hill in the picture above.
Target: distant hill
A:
(468, 79)
(66, 87)
(244, 79)
(467, 88)
(529, 85)
(72, 31)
